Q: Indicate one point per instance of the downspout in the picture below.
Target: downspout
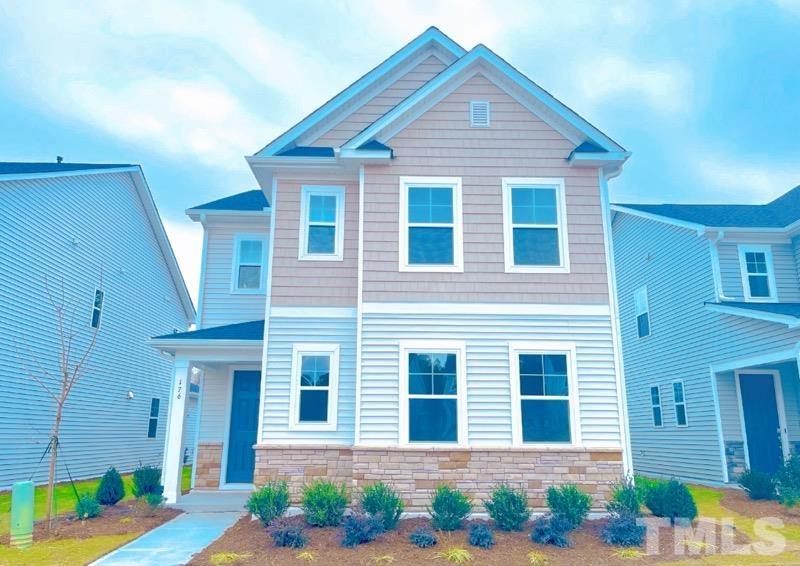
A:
(713, 247)
(360, 301)
(622, 401)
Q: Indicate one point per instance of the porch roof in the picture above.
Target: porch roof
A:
(783, 313)
(252, 330)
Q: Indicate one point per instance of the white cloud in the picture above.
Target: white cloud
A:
(186, 238)
(745, 181)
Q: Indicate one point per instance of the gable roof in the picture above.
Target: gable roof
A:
(782, 313)
(779, 213)
(254, 201)
(432, 37)
(20, 170)
(252, 330)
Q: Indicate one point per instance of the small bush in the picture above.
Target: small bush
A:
(625, 499)
(288, 535)
(787, 482)
(508, 508)
(552, 529)
(480, 535)
(87, 507)
(644, 484)
(380, 499)
(361, 529)
(148, 504)
(111, 489)
(147, 479)
(537, 558)
(758, 485)
(671, 499)
(622, 530)
(455, 555)
(269, 502)
(570, 503)
(423, 537)
(449, 508)
(324, 503)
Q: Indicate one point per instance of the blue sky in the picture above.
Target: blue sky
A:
(705, 94)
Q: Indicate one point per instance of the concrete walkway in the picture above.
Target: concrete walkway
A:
(174, 542)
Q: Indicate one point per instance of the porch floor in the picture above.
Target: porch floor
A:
(203, 501)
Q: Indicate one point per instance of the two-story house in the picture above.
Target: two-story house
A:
(709, 300)
(87, 238)
(421, 293)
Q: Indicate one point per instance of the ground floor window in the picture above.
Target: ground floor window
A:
(315, 376)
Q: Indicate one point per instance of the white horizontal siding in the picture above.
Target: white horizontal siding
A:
(216, 401)
(488, 375)
(786, 279)
(69, 227)
(284, 332)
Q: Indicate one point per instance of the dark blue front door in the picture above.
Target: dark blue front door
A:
(244, 426)
(761, 421)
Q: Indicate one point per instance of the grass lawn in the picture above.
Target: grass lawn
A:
(69, 551)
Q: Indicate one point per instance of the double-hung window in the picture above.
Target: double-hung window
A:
(642, 311)
(535, 227)
(430, 224)
(679, 398)
(758, 273)
(97, 308)
(315, 377)
(321, 223)
(250, 252)
(655, 405)
(432, 393)
(152, 423)
(542, 393)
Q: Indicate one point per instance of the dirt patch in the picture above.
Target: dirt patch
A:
(120, 519)
(250, 540)
(737, 500)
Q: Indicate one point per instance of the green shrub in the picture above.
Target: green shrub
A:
(111, 489)
(147, 479)
(480, 535)
(269, 502)
(423, 537)
(288, 535)
(449, 508)
(644, 484)
(672, 500)
(324, 503)
(787, 482)
(622, 530)
(625, 498)
(87, 507)
(570, 503)
(360, 529)
(378, 499)
(758, 485)
(552, 529)
(508, 508)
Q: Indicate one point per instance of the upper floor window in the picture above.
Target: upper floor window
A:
(430, 224)
(642, 311)
(758, 274)
(250, 254)
(655, 404)
(679, 398)
(315, 378)
(97, 308)
(535, 228)
(321, 223)
(542, 393)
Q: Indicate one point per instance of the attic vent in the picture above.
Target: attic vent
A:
(479, 114)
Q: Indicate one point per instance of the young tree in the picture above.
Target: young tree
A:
(72, 357)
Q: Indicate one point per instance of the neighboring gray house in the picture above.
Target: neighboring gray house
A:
(72, 221)
(709, 301)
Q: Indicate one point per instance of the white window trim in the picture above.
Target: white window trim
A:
(567, 348)
(561, 213)
(94, 308)
(237, 240)
(306, 193)
(457, 225)
(488, 104)
(660, 405)
(311, 349)
(637, 314)
(675, 404)
(430, 346)
(767, 251)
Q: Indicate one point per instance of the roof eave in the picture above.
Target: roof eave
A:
(788, 320)
(699, 228)
(199, 214)
(77, 172)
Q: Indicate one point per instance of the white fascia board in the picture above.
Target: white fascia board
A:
(788, 320)
(199, 214)
(524, 309)
(598, 159)
(20, 176)
(482, 54)
(431, 35)
(170, 344)
(699, 228)
(371, 155)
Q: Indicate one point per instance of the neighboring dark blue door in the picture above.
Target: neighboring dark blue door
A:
(244, 426)
(761, 422)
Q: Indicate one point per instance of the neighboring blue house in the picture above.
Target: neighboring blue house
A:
(72, 221)
(709, 301)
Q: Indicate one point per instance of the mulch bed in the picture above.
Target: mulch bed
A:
(737, 500)
(248, 537)
(120, 519)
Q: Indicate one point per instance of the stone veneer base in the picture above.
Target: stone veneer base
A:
(209, 465)
(415, 472)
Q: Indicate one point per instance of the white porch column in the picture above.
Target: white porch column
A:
(173, 458)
